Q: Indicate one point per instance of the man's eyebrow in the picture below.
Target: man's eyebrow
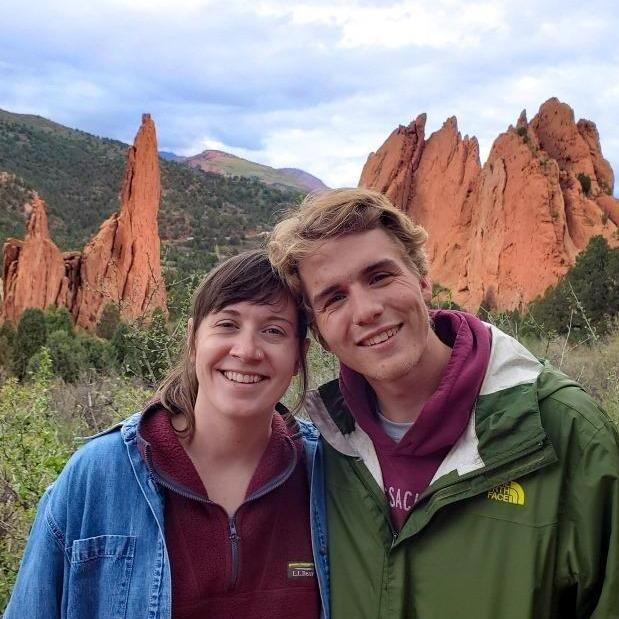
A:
(385, 263)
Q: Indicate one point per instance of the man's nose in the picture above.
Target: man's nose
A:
(247, 347)
(366, 308)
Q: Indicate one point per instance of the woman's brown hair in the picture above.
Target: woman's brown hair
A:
(248, 276)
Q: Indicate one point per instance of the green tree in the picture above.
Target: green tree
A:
(110, 317)
(30, 337)
(67, 354)
(7, 341)
(59, 319)
(586, 300)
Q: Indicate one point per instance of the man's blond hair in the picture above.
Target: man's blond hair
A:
(338, 212)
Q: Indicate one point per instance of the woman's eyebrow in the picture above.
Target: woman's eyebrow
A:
(237, 314)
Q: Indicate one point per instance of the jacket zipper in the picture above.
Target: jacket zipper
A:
(234, 549)
(233, 535)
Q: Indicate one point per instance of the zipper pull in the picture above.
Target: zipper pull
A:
(234, 536)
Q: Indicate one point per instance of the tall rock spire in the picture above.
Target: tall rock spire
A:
(121, 264)
(33, 268)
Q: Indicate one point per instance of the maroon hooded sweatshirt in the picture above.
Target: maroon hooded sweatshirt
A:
(408, 466)
(257, 563)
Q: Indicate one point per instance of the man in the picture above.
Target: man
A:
(464, 479)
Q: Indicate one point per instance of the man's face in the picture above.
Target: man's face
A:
(369, 306)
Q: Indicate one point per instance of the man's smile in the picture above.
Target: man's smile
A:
(380, 337)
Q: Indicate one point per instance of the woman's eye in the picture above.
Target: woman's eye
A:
(275, 331)
(226, 324)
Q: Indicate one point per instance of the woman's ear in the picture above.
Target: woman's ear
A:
(190, 346)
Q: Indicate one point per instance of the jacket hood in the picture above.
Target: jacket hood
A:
(507, 407)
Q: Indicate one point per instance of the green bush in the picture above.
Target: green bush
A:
(7, 340)
(146, 350)
(68, 356)
(98, 353)
(110, 317)
(59, 319)
(31, 456)
(585, 182)
(585, 302)
(30, 337)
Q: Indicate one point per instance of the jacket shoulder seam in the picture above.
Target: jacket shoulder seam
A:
(55, 532)
(592, 405)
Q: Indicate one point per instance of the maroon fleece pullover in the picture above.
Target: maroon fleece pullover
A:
(244, 565)
(408, 466)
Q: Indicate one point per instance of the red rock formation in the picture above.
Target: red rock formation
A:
(33, 268)
(391, 168)
(120, 265)
(503, 233)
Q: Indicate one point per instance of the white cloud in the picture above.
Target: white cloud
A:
(315, 84)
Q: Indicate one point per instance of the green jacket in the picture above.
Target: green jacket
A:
(521, 521)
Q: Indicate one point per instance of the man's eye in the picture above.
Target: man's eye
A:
(381, 276)
(333, 299)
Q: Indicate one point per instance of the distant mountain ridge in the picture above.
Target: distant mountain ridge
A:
(220, 162)
(79, 175)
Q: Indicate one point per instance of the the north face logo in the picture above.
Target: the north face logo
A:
(511, 492)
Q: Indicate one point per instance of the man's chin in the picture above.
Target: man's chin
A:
(387, 373)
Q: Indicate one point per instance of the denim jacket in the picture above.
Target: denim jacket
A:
(97, 546)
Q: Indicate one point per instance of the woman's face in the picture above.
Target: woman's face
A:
(245, 356)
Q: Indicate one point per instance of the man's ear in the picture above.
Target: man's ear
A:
(426, 288)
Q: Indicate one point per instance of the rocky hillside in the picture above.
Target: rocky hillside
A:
(79, 175)
(502, 233)
(230, 165)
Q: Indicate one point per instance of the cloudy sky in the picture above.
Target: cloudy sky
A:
(315, 85)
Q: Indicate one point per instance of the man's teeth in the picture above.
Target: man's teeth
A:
(381, 337)
(237, 377)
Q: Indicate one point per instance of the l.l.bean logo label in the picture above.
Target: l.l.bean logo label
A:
(300, 569)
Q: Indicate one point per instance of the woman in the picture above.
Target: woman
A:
(198, 506)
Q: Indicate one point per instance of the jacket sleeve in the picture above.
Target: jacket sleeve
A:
(38, 590)
(592, 551)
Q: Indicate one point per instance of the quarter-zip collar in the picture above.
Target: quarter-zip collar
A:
(170, 465)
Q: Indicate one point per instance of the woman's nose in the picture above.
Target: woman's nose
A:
(247, 348)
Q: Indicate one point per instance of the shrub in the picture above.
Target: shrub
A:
(110, 317)
(586, 300)
(98, 353)
(30, 337)
(7, 340)
(68, 356)
(146, 350)
(585, 182)
(59, 319)
(442, 298)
